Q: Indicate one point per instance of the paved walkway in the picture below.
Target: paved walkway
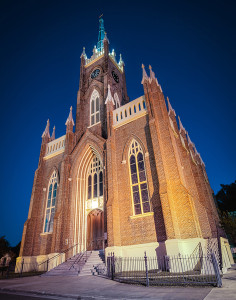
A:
(93, 287)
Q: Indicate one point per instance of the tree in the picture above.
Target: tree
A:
(4, 246)
(228, 222)
(226, 197)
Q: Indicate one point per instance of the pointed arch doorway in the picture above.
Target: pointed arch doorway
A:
(95, 230)
(89, 206)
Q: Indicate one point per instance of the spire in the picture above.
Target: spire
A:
(145, 77)
(101, 34)
(181, 127)
(46, 131)
(170, 107)
(53, 134)
(109, 96)
(70, 118)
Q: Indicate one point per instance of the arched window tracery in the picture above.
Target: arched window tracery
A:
(51, 203)
(95, 184)
(138, 180)
(94, 108)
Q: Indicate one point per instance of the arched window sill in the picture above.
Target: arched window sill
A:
(45, 233)
(142, 215)
(94, 124)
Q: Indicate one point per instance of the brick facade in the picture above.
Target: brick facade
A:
(182, 206)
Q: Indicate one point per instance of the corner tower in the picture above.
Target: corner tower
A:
(96, 74)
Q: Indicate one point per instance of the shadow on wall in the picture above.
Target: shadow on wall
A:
(155, 199)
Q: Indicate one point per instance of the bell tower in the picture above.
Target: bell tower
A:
(102, 77)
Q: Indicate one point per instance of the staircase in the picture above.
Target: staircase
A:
(95, 258)
(71, 267)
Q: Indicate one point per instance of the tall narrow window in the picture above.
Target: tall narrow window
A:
(95, 184)
(100, 184)
(51, 203)
(94, 108)
(139, 189)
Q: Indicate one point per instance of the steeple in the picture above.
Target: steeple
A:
(101, 34)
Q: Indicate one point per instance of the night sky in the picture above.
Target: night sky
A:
(191, 46)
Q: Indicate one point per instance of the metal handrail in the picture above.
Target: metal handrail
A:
(65, 251)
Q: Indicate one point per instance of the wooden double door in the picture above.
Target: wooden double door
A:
(95, 230)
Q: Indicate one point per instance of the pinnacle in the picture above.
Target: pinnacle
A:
(70, 118)
(170, 107)
(109, 96)
(46, 131)
(145, 77)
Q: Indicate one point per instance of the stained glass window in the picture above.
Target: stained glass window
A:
(138, 179)
(51, 203)
(94, 108)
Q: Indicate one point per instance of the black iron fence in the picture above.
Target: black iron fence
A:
(166, 270)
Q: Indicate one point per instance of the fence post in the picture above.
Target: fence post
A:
(146, 268)
(22, 266)
(216, 269)
(112, 265)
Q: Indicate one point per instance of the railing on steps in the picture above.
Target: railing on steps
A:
(56, 260)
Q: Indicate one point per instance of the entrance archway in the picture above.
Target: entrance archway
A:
(95, 230)
(88, 199)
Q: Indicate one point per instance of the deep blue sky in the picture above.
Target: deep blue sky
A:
(191, 46)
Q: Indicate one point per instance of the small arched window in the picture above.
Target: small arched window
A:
(139, 106)
(138, 180)
(51, 203)
(144, 104)
(94, 108)
(134, 109)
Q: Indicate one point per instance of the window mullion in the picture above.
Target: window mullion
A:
(139, 188)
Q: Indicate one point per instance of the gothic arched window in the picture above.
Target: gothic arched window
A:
(94, 108)
(95, 183)
(51, 203)
(138, 179)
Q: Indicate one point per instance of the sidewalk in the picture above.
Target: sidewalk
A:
(228, 291)
(93, 287)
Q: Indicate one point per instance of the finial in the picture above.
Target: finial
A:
(70, 118)
(170, 107)
(145, 77)
(83, 54)
(152, 74)
(109, 96)
(53, 134)
(46, 131)
(121, 62)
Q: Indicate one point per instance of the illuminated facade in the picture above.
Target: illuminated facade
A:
(127, 179)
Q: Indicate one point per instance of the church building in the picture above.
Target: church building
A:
(125, 177)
